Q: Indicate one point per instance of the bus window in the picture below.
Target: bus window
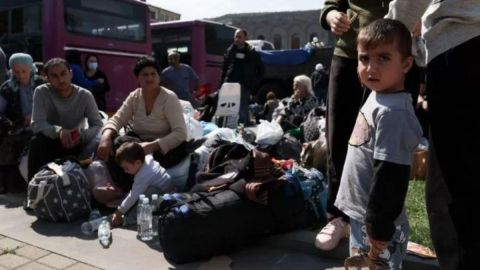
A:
(173, 39)
(24, 33)
(218, 38)
(106, 18)
(118, 31)
(201, 45)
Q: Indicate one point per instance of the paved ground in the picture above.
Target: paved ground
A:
(26, 243)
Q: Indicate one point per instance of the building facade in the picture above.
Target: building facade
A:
(158, 14)
(286, 30)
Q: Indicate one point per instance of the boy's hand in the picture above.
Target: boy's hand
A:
(376, 248)
(117, 219)
(338, 21)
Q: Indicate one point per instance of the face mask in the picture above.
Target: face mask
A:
(93, 65)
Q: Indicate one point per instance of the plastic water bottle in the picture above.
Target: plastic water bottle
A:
(104, 233)
(94, 220)
(155, 215)
(139, 211)
(146, 221)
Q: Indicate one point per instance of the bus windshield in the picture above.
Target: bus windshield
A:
(106, 18)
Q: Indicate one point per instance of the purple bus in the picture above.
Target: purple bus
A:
(201, 45)
(118, 31)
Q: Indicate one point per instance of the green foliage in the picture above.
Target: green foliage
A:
(417, 214)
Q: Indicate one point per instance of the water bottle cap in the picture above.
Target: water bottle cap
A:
(167, 197)
(177, 196)
(154, 197)
(86, 228)
(141, 197)
(145, 200)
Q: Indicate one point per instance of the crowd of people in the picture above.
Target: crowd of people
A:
(372, 127)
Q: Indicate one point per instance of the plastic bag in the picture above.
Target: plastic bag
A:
(268, 133)
(194, 128)
(97, 174)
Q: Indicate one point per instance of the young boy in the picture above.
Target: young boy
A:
(376, 172)
(148, 174)
(270, 105)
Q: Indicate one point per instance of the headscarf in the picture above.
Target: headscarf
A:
(21, 58)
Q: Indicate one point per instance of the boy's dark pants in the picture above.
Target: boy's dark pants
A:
(453, 183)
(44, 150)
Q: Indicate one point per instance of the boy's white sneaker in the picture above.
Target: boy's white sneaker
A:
(329, 237)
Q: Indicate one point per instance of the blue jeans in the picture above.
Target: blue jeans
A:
(397, 247)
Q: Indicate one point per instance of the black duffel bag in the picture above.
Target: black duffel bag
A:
(202, 225)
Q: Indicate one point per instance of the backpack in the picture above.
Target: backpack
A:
(312, 125)
(314, 187)
(60, 192)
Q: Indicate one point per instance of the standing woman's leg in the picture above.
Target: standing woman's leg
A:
(343, 103)
(452, 82)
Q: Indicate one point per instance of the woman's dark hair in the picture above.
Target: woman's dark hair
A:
(73, 57)
(143, 63)
(85, 60)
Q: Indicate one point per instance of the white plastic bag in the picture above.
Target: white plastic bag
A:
(268, 133)
(194, 128)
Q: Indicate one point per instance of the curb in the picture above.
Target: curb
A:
(303, 241)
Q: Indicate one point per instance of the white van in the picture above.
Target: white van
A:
(261, 45)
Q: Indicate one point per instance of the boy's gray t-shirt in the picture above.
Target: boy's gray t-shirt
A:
(386, 129)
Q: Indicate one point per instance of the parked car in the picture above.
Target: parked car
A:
(261, 45)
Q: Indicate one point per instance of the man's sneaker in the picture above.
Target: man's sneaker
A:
(329, 237)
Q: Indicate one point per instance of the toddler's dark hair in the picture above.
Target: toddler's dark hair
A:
(386, 31)
(130, 152)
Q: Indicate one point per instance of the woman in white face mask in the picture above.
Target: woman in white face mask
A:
(92, 72)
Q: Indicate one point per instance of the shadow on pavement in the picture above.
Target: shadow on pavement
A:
(12, 200)
(70, 229)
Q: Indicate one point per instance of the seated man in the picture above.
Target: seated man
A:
(58, 115)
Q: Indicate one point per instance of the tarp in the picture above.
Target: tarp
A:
(285, 57)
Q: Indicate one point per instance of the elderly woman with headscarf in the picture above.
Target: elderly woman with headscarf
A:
(16, 99)
(292, 110)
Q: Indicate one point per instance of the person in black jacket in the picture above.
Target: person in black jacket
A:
(243, 65)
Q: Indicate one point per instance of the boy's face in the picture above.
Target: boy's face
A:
(131, 168)
(383, 68)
